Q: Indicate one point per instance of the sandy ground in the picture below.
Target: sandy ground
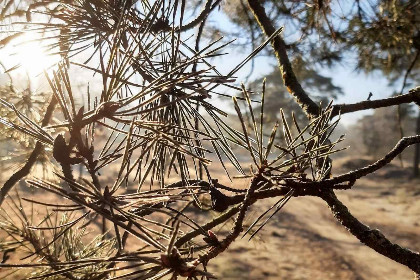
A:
(304, 241)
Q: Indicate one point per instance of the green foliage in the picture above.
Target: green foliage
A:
(386, 37)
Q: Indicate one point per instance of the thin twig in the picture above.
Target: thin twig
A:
(412, 96)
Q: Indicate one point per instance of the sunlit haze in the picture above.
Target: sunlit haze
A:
(26, 55)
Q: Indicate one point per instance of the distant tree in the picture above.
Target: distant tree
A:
(374, 127)
(379, 131)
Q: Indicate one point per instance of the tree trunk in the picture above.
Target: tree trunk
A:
(416, 171)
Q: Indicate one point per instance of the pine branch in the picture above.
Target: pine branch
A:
(412, 96)
(24, 171)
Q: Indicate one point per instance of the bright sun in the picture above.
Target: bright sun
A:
(31, 56)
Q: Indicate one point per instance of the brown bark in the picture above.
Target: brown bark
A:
(292, 84)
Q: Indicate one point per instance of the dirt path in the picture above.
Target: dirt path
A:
(305, 242)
